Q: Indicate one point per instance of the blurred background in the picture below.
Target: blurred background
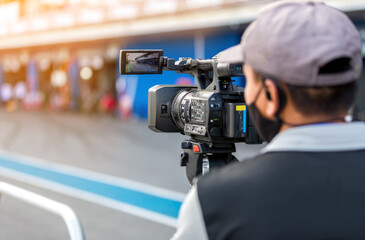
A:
(63, 101)
(62, 55)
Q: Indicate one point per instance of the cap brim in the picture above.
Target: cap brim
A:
(231, 55)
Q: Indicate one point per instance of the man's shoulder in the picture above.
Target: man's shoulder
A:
(279, 167)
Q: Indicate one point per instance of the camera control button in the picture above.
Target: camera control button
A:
(215, 105)
(196, 148)
(215, 131)
(163, 109)
(216, 113)
(186, 145)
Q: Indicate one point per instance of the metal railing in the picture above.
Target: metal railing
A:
(65, 212)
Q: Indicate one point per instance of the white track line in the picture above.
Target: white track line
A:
(94, 198)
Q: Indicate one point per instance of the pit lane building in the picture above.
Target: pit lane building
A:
(65, 51)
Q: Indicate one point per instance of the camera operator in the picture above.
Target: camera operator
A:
(301, 60)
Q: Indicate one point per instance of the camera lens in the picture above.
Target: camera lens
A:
(180, 109)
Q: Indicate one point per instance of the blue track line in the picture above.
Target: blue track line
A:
(164, 206)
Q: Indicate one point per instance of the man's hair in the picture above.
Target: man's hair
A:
(330, 100)
(327, 100)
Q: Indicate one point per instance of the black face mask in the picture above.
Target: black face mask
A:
(266, 128)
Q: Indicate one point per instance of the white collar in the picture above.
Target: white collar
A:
(327, 137)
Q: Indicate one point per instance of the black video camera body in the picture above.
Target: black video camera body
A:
(213, 113)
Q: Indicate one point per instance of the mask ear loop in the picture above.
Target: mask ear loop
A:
(282, 97)
(258, 94)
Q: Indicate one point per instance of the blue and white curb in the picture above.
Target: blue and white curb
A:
(146, 201)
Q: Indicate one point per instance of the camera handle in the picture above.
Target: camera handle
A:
(199, 158)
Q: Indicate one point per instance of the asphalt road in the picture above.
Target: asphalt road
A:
(100, 144)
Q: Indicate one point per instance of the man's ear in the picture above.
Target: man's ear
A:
(272, 96)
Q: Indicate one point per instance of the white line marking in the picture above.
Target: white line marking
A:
(90, 197)
(117, 181)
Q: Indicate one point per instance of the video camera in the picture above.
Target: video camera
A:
(213, 113)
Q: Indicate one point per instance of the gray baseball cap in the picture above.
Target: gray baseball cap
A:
(292, 40)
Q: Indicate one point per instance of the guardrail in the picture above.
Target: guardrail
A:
(65, 212)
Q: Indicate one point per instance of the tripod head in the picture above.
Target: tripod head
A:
(198, 158)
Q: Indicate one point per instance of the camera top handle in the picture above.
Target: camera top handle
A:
(209, 74)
